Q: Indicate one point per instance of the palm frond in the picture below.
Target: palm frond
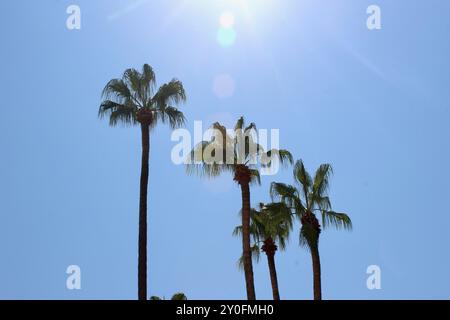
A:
(255, 177)
(207, 170)
(321, 179)
(171, 93)
(250, 127)
(239, 124)
(283, 240)
(237, 232)
(284, 192)
(309, 237)
(108, 106)
(322, 203)
(255, 251)
(117, 89)
(118, 113)
(254, 228)
(125, 115)
(179, 296)
(175, 117)
(284, 156)
(245, 147)
(148, 80)
(132, 78)
(338, 220)
(202, 163)
(211, 158)
(280, 213)
(275, 221)
(303, 178)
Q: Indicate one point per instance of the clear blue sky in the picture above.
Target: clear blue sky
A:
(374, 104)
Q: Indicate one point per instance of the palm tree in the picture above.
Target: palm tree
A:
(309, 198)
(132, 100)
(240, 155)
(269, 226)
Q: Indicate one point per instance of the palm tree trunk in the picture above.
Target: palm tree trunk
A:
(248, 267)
(273, 275)
(142, 250)
(316, 272)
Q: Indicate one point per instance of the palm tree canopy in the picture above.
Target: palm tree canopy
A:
(311, 196)
(230, 148)
(135, 91)
(176, 296)
(179, 296)
(273, 220)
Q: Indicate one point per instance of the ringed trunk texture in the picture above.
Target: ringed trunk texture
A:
(248, 267)
(316, 271)
(142, 249)
(273, 276)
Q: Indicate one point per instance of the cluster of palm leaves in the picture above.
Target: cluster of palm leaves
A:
(241, 156)
(272, 223)
(135, 100)
(177, 296)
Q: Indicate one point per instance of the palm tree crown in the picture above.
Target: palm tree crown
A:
(309, 198)
(274, 221)
(236, 152)
(270, 221)
(133, 99)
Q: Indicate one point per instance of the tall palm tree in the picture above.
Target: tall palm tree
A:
(134, 100)
(270, 225)
(239, 154)
(309, 198)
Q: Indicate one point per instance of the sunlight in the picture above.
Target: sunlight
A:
(251, 9)
(254, 5)
(246, 9)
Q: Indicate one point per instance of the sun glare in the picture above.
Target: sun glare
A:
(227, 19)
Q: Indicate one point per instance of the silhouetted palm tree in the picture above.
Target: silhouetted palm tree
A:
(177, 296)
(311, 197)
(240, 155)
(133, 100)
(270, 226)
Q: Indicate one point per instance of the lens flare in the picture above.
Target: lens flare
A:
(227, 20)
(226, 36)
